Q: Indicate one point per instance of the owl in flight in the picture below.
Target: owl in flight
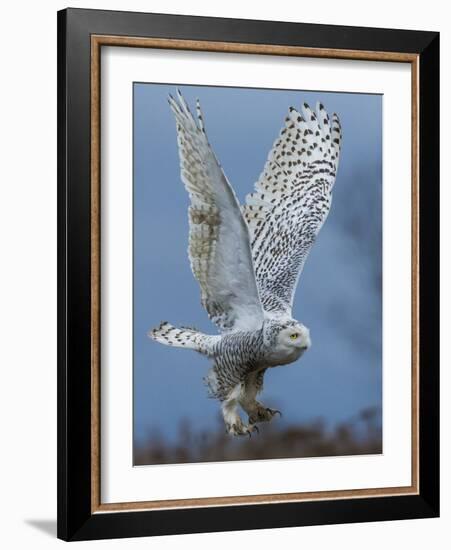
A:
(247, 259)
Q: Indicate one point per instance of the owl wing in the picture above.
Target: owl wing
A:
(219, 247)
(291, 202)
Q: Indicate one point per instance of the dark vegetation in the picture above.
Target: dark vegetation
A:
(360, 435)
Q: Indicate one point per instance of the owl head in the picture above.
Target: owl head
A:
(294, 335)
(287, 334)
(286, 340)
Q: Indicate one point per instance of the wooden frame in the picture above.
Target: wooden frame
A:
(81, 515)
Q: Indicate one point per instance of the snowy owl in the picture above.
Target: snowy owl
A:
(248, 259)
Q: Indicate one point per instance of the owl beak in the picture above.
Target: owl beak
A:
(306, 342)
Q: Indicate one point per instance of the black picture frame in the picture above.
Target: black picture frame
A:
(76, 519)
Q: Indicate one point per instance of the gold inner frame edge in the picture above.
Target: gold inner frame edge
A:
(97, 41)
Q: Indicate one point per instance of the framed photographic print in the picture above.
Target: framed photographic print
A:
(264, 195)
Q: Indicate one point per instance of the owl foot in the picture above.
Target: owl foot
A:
(239, 428)
(263, 414)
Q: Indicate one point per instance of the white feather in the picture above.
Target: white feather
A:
(219, 246)
(290, 203)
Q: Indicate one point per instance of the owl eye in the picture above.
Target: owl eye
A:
(294, 335)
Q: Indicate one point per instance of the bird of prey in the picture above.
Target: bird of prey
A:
(247, 259)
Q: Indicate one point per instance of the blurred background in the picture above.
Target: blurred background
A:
(331, 398)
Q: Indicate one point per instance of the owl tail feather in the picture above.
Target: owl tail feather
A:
(179, 337)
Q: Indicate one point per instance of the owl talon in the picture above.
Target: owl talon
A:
(240, 429)
(263, 414)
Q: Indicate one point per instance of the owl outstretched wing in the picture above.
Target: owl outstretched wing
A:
(291, 201)
(219, 247)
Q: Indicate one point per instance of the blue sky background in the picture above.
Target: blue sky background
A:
(339, 296)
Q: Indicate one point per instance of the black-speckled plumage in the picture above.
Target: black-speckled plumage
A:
(248, 259)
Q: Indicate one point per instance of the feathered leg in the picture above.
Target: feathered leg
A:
(232, 419)
(257, 411)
